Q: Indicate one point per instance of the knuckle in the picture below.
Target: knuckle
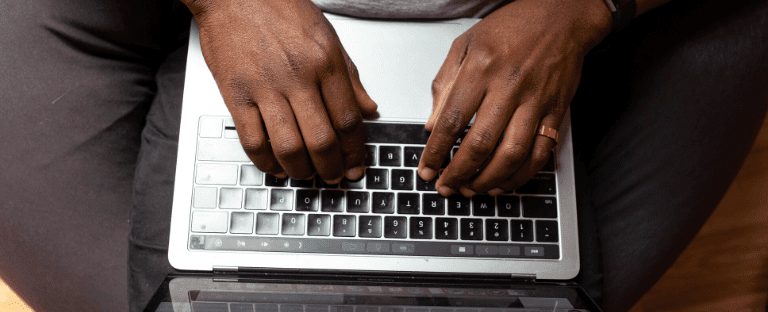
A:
(349, 122)
(322, 142)
(254, 146)
(514, 153)
(451, 123)
(237, 87)
(287, 148)
(481, 143)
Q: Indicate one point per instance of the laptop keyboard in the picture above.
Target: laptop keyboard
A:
(391, 210)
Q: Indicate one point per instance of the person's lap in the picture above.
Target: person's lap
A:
(654, 167)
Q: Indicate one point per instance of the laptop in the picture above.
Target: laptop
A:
(248, 241)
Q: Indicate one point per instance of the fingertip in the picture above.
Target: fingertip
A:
(467, 192)
(445, 191)
(495, 192)
(355, 173)
(427, 174)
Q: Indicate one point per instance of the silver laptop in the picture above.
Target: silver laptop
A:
(230, 219)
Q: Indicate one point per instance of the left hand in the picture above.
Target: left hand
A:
(517, 69)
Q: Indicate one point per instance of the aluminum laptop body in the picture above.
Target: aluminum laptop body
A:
(397, 61)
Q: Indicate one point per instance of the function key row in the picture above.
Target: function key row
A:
(398, 227)
(373, 246)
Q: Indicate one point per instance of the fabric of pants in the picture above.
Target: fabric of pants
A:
(666, 111)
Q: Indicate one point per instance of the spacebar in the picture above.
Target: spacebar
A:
(380, 247)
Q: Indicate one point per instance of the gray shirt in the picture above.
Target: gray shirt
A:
(428, 9)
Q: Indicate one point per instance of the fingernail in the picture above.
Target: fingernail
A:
(334, 181)
(495, 192)
(281, 175)
(354, 173)
(467, 192)
(427, 173)
(445, 191)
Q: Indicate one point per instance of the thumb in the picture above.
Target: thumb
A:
(364, 101)
(443, 82)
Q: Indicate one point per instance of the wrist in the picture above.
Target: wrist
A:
(595, 22)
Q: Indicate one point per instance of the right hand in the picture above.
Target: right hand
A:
(293, 92)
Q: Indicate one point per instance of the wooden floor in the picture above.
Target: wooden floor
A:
(725, 268)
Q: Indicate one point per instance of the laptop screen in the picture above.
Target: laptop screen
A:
(210, 294)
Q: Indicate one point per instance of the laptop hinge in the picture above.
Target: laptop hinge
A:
(367, 276)
(525, 278)
(224, 270)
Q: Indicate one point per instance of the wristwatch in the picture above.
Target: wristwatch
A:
(622, 11)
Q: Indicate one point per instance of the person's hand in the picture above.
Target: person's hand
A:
(517, 69)
(293, 93)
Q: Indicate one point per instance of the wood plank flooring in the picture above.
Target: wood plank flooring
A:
(725, 268)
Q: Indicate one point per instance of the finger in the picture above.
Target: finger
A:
(346, 119)
(250, 126)
(287, 143)
(539, 155)
(318, 134)
(461, 104)
(253, 138)
(479, 143)
(445, 78)
(512, 151)
(364, 101)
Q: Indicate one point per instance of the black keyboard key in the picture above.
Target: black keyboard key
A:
(408, 203)
(509, 206)
(483, 205)
(422, 185)
(270, 180)
(412, 156)
(433, 204)
(546, 231)
(358, 202)
(344, 226)
(471, 229)
(353, 184)
(370, 226)
(376, 179)
(550, 165)
(319, 225)
(522, 230)
(496, 230)
(402, 180)
(307, 200)
(539, 207)
(458, 205)
(301, 183)
(332, 201)
(321, 184)
(389, 156)
(383, 202)
(370, 155)
(446, 228)
(395, 227)
(421, 227)
(542, 183)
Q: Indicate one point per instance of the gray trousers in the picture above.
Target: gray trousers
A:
(91, 94)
